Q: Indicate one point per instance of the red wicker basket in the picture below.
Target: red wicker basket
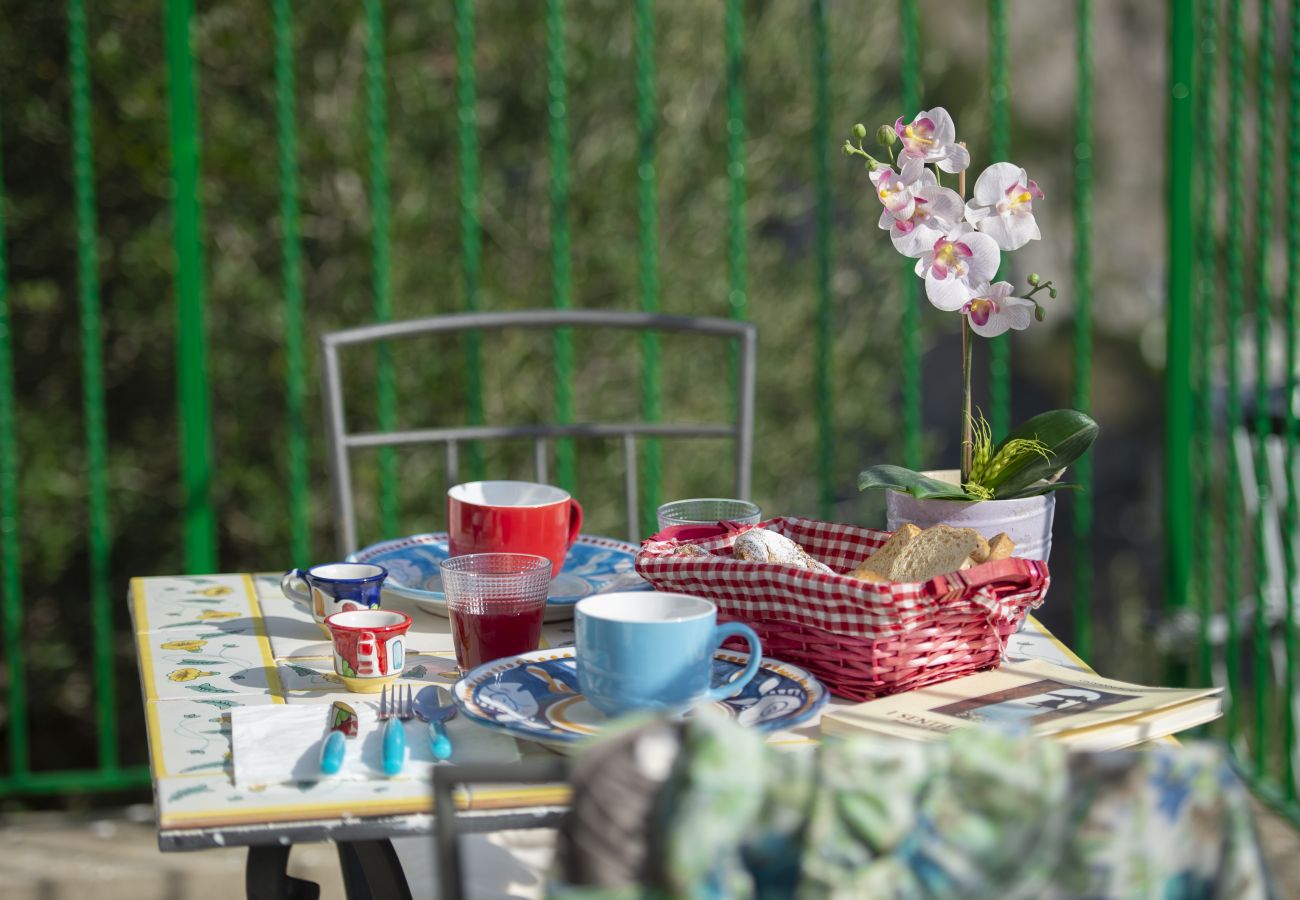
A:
(862, 640)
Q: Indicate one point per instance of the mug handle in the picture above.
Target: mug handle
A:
(575, 522)
(288, 588)
(737, 684)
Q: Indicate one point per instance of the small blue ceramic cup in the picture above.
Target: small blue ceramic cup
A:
(643, 650)
(335, 587)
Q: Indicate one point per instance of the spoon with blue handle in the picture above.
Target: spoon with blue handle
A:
(428, 706)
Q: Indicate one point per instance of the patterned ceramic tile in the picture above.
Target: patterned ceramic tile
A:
(185, 668)
(195, 733)
(1036, 642)
(192, 603)
(214, 801)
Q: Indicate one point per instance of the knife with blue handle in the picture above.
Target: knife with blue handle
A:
(341, 726)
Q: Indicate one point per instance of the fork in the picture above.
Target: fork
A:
(394, 714)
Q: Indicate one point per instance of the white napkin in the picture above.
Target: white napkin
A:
(279, 743)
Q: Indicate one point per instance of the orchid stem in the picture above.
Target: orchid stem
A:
(967, 435)
(967, 423)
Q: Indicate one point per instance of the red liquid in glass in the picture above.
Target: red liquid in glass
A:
(484, 636)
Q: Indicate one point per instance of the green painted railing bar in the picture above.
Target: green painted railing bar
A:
(11, 577)
(1178, 423)
(191, 343)
(737, 295)
(1232, 275)
(910, 63)
(1291, 515)
(295, 379)
(648, 215)
(825, 328)
(1083, 609)
(471, 229)
(557, 87)
(734, 27)
(75, 781)
(92, 377)
(1000, 147)
(1206, 319)
(1263, 677)
(381, 256)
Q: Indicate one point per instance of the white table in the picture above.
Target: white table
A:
(207, 644)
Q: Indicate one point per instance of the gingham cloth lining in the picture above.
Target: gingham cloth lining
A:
(772, 591)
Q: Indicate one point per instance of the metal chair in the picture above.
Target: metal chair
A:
(341, 442)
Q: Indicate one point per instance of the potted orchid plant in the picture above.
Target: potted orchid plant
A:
(957, 243)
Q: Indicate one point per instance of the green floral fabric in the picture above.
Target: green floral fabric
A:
(982, 814)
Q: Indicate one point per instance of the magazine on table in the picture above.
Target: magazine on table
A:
(1079, 709)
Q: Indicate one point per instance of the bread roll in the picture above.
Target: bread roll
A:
(761, 545)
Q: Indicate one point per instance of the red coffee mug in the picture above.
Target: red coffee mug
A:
(512, 517)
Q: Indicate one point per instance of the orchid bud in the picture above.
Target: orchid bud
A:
(1039, 313)
(1033, 279)
(859, 131)
(1051, 292)
(872, 165)
(886, 136)
(848, 148)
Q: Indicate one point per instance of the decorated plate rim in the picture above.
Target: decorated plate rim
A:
(462, 692)
(366, 554)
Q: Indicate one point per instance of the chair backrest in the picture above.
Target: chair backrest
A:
(341, 442)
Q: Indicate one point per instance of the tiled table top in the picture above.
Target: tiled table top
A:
(209, 643)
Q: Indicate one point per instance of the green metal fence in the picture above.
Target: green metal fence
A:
(1231, 479)
(1205, 415)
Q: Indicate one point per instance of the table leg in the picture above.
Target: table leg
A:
(266, 878)
(372, 871)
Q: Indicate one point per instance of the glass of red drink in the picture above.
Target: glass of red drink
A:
(496, 602)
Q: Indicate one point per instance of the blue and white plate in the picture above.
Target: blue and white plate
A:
(594, 565)
(535, 695)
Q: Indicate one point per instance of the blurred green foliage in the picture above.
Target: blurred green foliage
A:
(233, 44)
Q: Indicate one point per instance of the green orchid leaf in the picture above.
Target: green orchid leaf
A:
(923, 487)
(1066, 433)
(1042, 488)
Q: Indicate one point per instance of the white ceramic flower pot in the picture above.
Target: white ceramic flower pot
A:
(1027, 521)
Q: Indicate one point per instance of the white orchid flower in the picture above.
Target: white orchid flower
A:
(895, 192)
(932, 138)
(936, 211)
(917, 211)
(993, 310)
(953, 266)
(1003, 205)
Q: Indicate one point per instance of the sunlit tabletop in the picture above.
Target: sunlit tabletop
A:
(210, 643)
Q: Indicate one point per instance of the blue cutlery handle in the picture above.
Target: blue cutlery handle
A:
(439, 743)
(394, 746)
(331, 753)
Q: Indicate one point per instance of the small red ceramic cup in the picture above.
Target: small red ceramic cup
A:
(512, 517)
(369, 647)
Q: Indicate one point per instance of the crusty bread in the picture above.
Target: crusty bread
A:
(937, 551)
(761, 545)
(1001, 547)
(878, 564)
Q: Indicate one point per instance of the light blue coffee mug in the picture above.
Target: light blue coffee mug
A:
(644, 650)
